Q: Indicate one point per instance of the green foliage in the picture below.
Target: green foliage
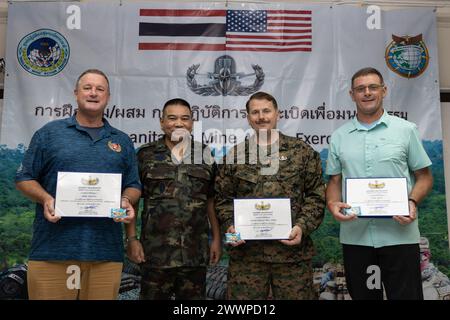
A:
(15, 232)
(326, 241)
(433, 225)
(10, 198)
(435, 152)
(16, 211)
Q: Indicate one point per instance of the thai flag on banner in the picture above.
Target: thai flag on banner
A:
(225, 30)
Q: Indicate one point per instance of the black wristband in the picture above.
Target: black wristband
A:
(413, 201)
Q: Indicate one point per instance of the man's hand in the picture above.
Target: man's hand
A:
(335, 207)
(34, 191)
(403, 220)
(334, 196)
(49, 210)
(236, 243)
(135, 252)
(294, 238)
(126, 204)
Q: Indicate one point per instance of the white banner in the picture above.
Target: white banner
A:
(215, 56)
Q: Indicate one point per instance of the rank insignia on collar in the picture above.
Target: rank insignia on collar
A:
(114, 146)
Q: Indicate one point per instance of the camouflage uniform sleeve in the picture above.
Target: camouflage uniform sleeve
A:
(139, 156)
(211, 188)
(143, 154)
(311, 213)
(224, 196)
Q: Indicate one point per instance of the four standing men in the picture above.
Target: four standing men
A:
(179, 209)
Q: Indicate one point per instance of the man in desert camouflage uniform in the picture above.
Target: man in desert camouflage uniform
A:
(178, 192)
(281, 266)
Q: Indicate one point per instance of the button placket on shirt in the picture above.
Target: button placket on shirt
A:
(370, 151)
(180, 170)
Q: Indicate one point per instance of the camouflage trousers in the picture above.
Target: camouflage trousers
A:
(265, 280)
(181, 283)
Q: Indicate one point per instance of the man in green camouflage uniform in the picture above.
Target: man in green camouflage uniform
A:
(281, 266)
(178, 192)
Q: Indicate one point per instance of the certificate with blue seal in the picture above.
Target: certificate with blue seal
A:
(87, 194)
(377, 197)
(263, 219)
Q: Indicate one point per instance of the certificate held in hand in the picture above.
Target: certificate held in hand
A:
(263, 219)
(84, 194)
(377, 197)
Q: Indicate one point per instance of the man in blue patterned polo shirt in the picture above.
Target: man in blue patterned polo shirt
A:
(91, 248)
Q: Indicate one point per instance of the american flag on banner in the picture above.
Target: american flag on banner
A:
(225, 30)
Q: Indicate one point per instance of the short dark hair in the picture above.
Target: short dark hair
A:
(365, 72)
(176, 102)
(94, 71)
(261, 96)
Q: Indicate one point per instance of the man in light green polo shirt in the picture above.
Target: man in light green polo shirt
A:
(375, 144)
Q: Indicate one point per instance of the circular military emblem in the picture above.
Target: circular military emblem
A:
(43, 52)
(407, 56)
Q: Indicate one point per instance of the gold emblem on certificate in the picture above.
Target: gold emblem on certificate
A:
(89, 181)
(262, 206)
(377, 197)
(82, 194)
(376, 185)
(263, 219)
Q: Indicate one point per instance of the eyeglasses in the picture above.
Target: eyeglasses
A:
(372, 88)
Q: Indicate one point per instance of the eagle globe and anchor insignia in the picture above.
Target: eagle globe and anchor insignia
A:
(43, 52)
(407, 56)
(224, 80)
